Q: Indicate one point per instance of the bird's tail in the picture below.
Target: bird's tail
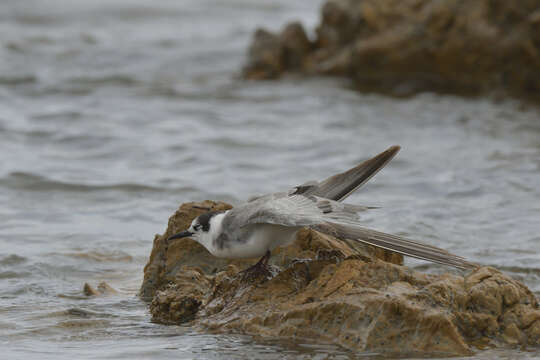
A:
(397, 244)
(339, 186)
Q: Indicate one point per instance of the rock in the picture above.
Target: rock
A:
(403, 47)
(266, 56)
(88, 290)
(182, 298)
(102, 289)
(296, 45)
(344, 293)
(270, 55)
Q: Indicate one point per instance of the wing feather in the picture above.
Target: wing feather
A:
(395, 243)
(294, 210)
(340, 186)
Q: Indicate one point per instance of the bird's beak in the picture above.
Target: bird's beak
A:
(180, 235)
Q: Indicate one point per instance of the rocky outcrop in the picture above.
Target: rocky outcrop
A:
(345, 293)
(405, 46)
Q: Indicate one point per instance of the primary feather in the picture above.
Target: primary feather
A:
(340, 186)
(395, 243)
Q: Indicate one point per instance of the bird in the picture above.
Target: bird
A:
(263, 223)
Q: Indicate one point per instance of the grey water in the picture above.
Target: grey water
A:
(113, 113)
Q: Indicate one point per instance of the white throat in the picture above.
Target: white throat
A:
(207, 239)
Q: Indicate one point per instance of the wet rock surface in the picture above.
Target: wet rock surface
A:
(345, 293)
(403, 47)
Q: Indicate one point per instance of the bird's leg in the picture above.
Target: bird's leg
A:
(265, 258)
(263, 262)
(260, 268)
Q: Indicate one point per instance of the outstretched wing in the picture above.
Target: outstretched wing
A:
(337, 219)
(339, 186)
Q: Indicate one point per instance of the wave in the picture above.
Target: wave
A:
(118, 256)
(113, 79)
(13, 275)
(33, 182)
(519, 269)
(17, 79)
(12, 260)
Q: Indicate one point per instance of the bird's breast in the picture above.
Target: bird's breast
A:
(254, 240)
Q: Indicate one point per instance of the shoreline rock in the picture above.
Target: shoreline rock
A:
(405, 47)
(348, 294)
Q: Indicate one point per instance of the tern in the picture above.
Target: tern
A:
(255, 228)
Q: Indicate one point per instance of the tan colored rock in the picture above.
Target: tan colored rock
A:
(405, 46)
(102, 289)
(343, 293)
(89, 290)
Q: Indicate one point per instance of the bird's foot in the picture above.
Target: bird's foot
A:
(261, 270)
(256, 272)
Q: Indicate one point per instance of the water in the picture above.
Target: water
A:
(112, 113)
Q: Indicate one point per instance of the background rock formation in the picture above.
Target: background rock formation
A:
(405, 46)
(350, 294)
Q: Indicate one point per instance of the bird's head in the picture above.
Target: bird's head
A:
(202, 229)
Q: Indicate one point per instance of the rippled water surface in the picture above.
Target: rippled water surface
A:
(112, 113)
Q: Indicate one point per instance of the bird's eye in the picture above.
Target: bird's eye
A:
(196, 227)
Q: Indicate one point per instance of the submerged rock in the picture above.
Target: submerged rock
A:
(102, 289)
(350, 294)
(405, 46)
